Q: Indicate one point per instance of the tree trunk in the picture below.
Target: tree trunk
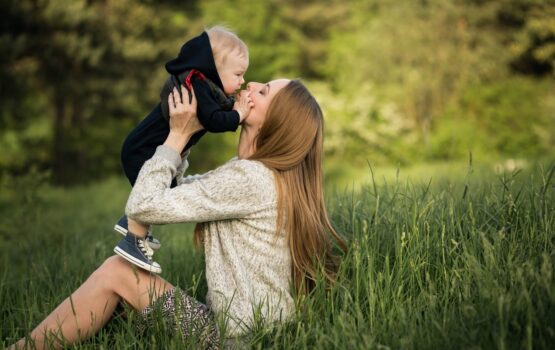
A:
(59, 171)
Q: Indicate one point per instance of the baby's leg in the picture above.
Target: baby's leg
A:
(136, 228)
(141, 143)
(138, 147)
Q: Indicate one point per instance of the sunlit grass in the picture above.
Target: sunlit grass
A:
(354, 175)
(464, 260)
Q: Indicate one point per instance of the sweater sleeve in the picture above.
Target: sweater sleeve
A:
(180, 176)
(210, 114)
(231, 191)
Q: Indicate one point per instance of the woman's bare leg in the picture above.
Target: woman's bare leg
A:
(93, 303)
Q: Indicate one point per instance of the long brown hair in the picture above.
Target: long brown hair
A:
(290, 144)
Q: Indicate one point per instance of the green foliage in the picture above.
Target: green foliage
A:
(449, 263)
(514, 117)
(395, 78)
(88, 68)
(359, 127)
(534, 49)
(285, 37)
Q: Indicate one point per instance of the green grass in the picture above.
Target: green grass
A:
(461, 261)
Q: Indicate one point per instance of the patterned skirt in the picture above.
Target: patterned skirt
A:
(183, 314)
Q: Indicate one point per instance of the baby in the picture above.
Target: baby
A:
(213, 65)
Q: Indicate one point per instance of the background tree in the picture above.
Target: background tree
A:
(82, 68)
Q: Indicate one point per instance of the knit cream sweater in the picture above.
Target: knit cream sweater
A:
(248, 264)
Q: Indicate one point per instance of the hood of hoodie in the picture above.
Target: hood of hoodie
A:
(196, 54)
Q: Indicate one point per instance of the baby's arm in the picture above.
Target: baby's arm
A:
(243, 105)
(212, 117)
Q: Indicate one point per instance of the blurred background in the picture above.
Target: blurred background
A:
(402, 83)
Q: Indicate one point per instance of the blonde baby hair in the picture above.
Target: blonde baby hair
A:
(223, 42)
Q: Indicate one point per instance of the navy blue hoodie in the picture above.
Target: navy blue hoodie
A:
(140, 144)
(197, 54)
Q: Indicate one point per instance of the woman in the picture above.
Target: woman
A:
(262, 221)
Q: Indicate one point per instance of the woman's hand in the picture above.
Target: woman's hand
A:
(183, 119)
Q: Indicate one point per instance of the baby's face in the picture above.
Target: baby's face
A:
(232, 71)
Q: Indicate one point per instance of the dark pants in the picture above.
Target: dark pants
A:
(141, 143)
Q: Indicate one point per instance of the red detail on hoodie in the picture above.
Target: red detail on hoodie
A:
(192, 73)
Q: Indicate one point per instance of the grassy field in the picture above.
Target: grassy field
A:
(437, 261)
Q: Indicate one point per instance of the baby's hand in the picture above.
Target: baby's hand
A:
(243, 105)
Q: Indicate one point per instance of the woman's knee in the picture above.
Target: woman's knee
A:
(114, 268)
(120, 275)
(119, 271)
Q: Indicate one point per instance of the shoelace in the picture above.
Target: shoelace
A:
(145, 248)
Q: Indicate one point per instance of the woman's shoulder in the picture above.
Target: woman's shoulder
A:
(253, 167)
(249, 171)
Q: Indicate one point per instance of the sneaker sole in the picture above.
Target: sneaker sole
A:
(120, 229)
(136, 261)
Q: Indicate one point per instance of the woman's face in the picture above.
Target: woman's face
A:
(261, 96)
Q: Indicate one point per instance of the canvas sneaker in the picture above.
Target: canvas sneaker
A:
(135, 250)
(121, 227)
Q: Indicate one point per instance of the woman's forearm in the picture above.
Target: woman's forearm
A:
(177, 141)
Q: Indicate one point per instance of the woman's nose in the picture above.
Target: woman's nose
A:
(251, 85)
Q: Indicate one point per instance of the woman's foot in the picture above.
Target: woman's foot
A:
(137, 251)
(122, 227)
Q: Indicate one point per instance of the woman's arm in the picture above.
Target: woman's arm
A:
(180, 177)
(231, 191)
